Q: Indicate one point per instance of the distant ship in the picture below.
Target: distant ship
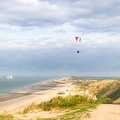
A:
(9, 77)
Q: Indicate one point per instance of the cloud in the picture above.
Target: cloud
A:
(41, 35)
(60, 16)
(40, 13)
(30, 13)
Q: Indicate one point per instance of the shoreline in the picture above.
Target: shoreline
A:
(21, 82)
(39, 92)
(26, 90)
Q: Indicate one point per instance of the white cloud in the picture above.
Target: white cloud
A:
(93, 41)
(78, 14)
(30, 13)
(62, 28)
(6, 27)
(50, 25)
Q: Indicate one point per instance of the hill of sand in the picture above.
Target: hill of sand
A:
(106, 88)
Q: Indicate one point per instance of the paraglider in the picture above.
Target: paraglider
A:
(78, 39)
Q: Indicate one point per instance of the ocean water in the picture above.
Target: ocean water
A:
(19, 82)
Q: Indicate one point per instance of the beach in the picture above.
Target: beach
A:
(37, 93)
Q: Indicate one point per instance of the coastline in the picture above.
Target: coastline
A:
(20, 82)
(25, 90)
(39, 92)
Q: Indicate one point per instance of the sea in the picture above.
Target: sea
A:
(20, 82)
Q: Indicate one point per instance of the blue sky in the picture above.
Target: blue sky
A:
(38, 37)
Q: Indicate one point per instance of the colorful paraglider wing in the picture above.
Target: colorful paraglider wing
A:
(78, 39)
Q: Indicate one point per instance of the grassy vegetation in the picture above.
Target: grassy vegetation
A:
(75, 113)
(107, 91)
(83, 84)
(59, 103)
(104, 100)
(63, 102)
(73, 106)
(111, 91)
(31, 107)
(6, 116)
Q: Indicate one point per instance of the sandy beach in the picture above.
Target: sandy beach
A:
(40, 92)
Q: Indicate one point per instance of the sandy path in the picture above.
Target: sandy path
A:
(105, 112)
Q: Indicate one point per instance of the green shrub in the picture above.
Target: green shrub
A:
(107, 101)
(63, 102)
(45, 106)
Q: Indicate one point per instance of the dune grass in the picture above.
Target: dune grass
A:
(63, 102)
(31, 107)
(58, 102)
(6, 116)
(76, 113)
(72, 105)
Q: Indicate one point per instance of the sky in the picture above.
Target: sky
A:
(38, 37)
